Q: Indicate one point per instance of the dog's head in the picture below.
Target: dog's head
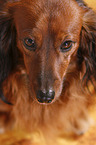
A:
(49, 36)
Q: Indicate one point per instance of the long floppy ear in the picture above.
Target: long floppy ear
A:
(87, 50)
(8, 54)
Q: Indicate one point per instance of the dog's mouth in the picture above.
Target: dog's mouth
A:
(48, 95)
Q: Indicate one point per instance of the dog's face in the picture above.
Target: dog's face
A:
(56, 40)
(48, 35)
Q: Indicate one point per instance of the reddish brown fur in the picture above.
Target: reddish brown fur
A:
(49, 23)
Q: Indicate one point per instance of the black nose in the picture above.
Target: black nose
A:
(45, 97)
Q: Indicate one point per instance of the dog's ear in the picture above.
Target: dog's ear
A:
(7, 46)
(8, 50)
(87, 49)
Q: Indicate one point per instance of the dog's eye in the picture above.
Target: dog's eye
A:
(29, 44)
(66, 46)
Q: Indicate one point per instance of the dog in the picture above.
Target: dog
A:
(47, 60)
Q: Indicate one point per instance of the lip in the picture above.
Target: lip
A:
(48, 100)
(45, 104)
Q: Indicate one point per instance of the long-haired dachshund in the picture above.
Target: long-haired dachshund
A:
(47, 59)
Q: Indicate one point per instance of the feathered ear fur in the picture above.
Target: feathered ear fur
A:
(8, 50)
(87, 50)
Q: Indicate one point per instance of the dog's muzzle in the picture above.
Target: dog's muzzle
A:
(45, 97)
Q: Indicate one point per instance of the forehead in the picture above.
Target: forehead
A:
(63, 16)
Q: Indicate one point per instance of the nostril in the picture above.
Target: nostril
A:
(45, 97)
(39, 94)
(50, 94)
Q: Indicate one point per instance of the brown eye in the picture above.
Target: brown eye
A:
(29, 44)
(66, 46)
